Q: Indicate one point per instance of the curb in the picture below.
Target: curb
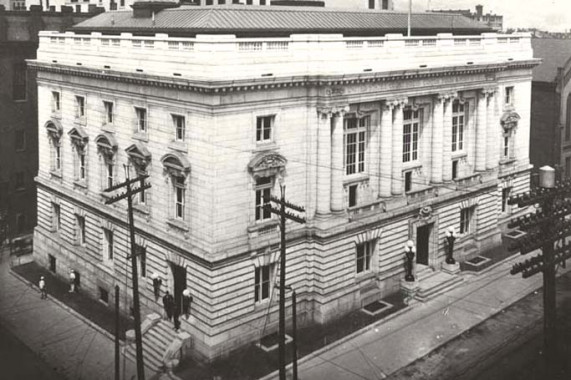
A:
(342, 340)
(69, 309)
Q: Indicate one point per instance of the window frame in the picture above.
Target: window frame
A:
(179, 127)
(262, 285)
(466, 220)
(142, 119)
(80, 237)
(458, 126)
(364, 256)
(410, 147)
(108, 244)
(355, 138)
(509, 95)
(56, 217)
(506, 193)
(80, 106)
(56, 101)
(262, 215)
(179, 192)
(262, 127)
(109, 112)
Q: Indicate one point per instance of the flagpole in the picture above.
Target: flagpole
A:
(409, 14)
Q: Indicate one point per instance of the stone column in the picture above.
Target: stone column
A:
(492, 155)
(386, 153)
(397, 180)
(337, 162)
(323, 161)
(481, 134)
(447, 138)
(437, 139)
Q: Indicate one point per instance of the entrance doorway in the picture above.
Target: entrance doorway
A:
(179, 283)
(423, 244)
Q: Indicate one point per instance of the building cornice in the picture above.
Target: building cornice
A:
(221, 87)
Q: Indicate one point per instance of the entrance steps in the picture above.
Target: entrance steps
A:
(156, 340)
(432, 284)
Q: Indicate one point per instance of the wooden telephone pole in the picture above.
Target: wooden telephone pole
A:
(284, 214)
(136, 311)
(543, 229)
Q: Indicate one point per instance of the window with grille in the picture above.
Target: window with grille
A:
(263, 281)
(355, 130)
(179, 124)
(263, 191)
(141, 119)
(364, 254)
(411, 130)
(264, 126)
(458, 115)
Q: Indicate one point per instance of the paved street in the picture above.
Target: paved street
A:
(63, 340)
(395, 344)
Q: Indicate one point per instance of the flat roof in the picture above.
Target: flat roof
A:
(252, 21)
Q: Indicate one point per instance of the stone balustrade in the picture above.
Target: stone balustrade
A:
(226, 57)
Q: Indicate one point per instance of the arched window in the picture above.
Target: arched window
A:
(265, 168)
(55, 131)
(140, 158)
(79, 140)
(509, 121)
(177, 167)
(107, 147)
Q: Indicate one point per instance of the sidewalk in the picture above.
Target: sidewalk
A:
(380, 351)
(60, 336)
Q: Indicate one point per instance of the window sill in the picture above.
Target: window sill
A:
(507, 161)
(141, 136)
(56, 115)
(264, 146)
(80, 121)
(179, 146)
(108, 128)
(364, 275)
(261, 305)
(142, 209)
(355, 178)
(458, 155)
(407, 166)
(80, 183)
(178, 224)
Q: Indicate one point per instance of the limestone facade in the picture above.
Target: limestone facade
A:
(378, 138)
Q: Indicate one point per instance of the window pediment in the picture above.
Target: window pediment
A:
(78, 137)
(509, 120)
(176, 164)
(139, 155)
(106, 145)
(267, 164)
(54, 129)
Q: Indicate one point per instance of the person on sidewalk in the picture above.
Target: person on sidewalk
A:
(72, 281)
(186, 300)
(43, 290)
(168, 304)
(176, 318)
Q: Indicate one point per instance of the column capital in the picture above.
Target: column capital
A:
(447, 96)
(393, 103)
(487, 91)
(328, 111)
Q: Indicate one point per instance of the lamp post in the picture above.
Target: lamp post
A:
(450, 238)
(409, 251)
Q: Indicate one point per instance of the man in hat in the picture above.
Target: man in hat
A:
(43, 290)
(168, 304)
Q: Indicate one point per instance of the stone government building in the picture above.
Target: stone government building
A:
(382, 138)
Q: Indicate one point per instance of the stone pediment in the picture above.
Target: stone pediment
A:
(176, 164)
(267, 164)
(54, 129)
(78, 136)
(139, 155)
(106, 145)
(509, 120)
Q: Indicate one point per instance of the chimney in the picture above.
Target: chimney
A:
(146, 9)
(479, 10)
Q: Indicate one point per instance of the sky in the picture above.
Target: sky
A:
(550, 15)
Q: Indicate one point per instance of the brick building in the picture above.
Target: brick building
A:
(381, 137)
(18, 107)
(494, 21)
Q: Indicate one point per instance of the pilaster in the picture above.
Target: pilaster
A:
(437, 139)
(397, 180)
(481, 135)
(447, 136)
(323, 161)
(337, 160)
(492, 155)
(386, 151)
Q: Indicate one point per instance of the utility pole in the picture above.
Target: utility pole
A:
(284, 214)
(136, 311)
(543, 228)
(117, 356)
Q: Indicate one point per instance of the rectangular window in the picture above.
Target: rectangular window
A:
(179, 124)
(108, 112)
(56, 217)
(81, 164)
(262, 2)
(141, 253)
(103, 295)
(110, 181)
(79, 106)
(57, 158)
(466, 215)
(209, 2)
(108, 248)
(141, 119)
(458, 114)
(385, 4)
(411, 130)
(506, 146)
(355, 142)
(454, 169)
(263, 192)
(249, 2)
(80, 229)
(56, 105)
(509, 95)
(264, 126)
(352, 195)
(179, 189)
(371, 4)
(20, 138)
(407, 181)
(19, 81)
(19, 180)
(506, 192)
(262, 283)
(364, 254)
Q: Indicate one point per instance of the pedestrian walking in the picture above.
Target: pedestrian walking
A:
(72, 281)
(43, 289)
(168, 304)
(176, 318)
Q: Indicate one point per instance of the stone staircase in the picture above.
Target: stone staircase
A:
(156, 340)
(433, 283)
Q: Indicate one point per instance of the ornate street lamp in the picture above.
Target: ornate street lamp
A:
(450, 238)
(409, 251)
